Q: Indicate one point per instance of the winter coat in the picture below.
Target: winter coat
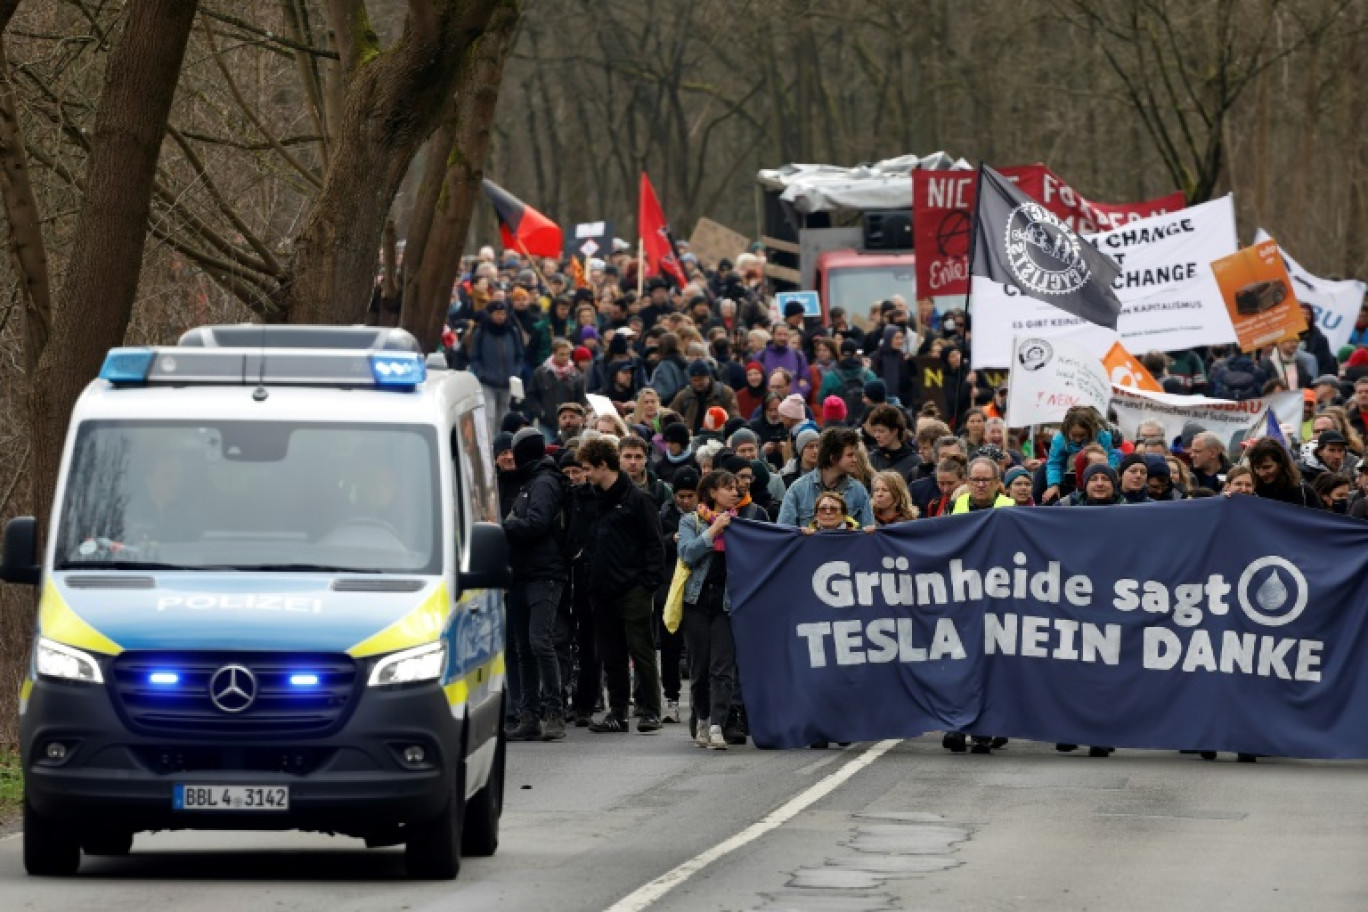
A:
(692, 406)
(1063, 450)
(1238, 377)
(904, 460)
(628, 550)
(671, 375)
(496, 353)
(535, 533)
(791, 359)
(547, 392)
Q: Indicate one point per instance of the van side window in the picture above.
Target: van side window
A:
(477, 467)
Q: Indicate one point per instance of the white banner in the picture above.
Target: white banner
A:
(1050, 376)
(1169, 297)
(1336, 303)
(1231, 421)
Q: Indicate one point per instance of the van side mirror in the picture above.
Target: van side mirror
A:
(20, 561)
(488, 559)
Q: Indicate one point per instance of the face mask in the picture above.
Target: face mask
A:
(1339, 506)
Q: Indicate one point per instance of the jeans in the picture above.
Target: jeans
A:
(532, 621)
(712, 656)
(497, 403)
(622, 627)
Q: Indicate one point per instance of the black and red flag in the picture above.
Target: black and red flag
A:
(523, 228)
(656, 241)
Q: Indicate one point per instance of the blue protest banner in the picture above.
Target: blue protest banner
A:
(1232, 624)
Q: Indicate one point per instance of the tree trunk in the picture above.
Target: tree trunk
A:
(463, 145)
(97, 296)
(393, 100)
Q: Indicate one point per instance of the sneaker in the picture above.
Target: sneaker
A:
(1246, 758)
(735, 728)
(999, 742)
(953, 742)
(701, 735)
(611, 722)
(649, 722)
(553, 726)
(1066, 748)
(715, 739)
(671, 712)
(1100, 751)
(529, 728)
(1207, 755)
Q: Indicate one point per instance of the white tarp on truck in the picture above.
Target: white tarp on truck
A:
(881, 185)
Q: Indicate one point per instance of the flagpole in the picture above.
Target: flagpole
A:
(973, 241)
(641, 264)
(532, 261)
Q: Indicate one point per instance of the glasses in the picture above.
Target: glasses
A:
(982, 480)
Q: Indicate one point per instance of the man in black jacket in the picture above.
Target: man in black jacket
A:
(628, 564)
(537, 559)
(892, 450)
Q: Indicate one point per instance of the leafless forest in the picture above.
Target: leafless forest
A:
(565, 101)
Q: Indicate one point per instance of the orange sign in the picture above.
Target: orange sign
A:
(1125, 370)
(1258, 295)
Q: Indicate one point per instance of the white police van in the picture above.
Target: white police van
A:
(271, 599)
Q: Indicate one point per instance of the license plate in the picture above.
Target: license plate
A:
(231, 798)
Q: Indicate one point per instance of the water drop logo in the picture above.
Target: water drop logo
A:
(1272, 591)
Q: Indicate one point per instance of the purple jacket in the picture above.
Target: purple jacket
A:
(794, 361)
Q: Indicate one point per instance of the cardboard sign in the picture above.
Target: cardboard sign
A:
(712, 242)
(1258, 295)
(1125, 370)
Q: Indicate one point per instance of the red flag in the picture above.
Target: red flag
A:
(523, 228)
(656, 241)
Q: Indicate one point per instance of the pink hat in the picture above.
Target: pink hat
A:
(833, 409)
(793, 407)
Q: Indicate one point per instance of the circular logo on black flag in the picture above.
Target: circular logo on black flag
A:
(1043, 253)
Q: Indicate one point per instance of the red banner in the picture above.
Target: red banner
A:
(656, 241)
(943, 203)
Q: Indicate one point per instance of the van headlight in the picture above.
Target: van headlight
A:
(57, 661)
(422, 663)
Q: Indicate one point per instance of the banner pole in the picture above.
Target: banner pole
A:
(641, 264)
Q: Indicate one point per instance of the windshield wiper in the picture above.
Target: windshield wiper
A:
(303, 568)
(129, 565)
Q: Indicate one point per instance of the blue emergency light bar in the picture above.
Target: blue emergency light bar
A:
(399, 371)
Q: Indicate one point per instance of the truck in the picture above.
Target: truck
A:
(845, 233)
(271, 598)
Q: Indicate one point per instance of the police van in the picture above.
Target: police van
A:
(271, 598)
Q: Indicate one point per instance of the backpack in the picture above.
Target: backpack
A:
(852, 394)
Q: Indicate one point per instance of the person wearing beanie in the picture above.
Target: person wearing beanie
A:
(751, 397)
(847, 380)
(1160, 478)
(678, 452)
(742, 437)
(793, 415)
(804, 457)
(1017, 482)
(703, 392)
(715, 420)
(876, 392)
(496, 354)
(540, 574)
(556, 381)
(505, 471)
(1133, 478)
(1097, 487)
(741, 467)
(513, 422)
(833, 412)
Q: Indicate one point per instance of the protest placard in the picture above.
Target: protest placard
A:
(1049, 377)
(1258, 295)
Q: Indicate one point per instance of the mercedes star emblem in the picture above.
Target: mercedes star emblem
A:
(233, 688)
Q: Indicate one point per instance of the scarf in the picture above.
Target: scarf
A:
(683, 456)
(561, 373)
(707, 517)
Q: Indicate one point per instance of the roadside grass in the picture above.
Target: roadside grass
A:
(11, 783)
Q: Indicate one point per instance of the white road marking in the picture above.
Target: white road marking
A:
(650, 893)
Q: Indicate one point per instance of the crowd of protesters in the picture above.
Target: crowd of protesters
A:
(723, 407)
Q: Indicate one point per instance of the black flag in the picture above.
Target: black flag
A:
(1019, 243)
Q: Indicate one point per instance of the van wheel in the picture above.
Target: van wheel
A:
(50, 849)
(432, 850)
(481, 836)
(108, 842)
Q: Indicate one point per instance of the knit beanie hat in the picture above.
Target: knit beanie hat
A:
(734, 463)
(1013, 474)
(699, 368)
(1133, 459)
(582, 354)
(686, 479)
(1157, 466)
(1100, 468)
(876, 391)
(792, 407)
(675, 432)
(503, 441)
(745, 435)
(512, 423)
(833, 409)
(528, 446)
(714, 418)
(801, 441)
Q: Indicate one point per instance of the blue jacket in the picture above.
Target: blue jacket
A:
(800, 501)
(1062, 449)
(496, 353)
(696, 550)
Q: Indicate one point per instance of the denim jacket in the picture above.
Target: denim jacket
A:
(696, 550)
(800, 503)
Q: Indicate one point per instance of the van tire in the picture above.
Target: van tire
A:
(481, 836)
(50, 849)
(432, 850)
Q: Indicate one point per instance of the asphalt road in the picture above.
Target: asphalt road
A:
(593, 821)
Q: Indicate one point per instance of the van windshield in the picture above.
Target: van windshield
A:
(858, 288)
(244, 495)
